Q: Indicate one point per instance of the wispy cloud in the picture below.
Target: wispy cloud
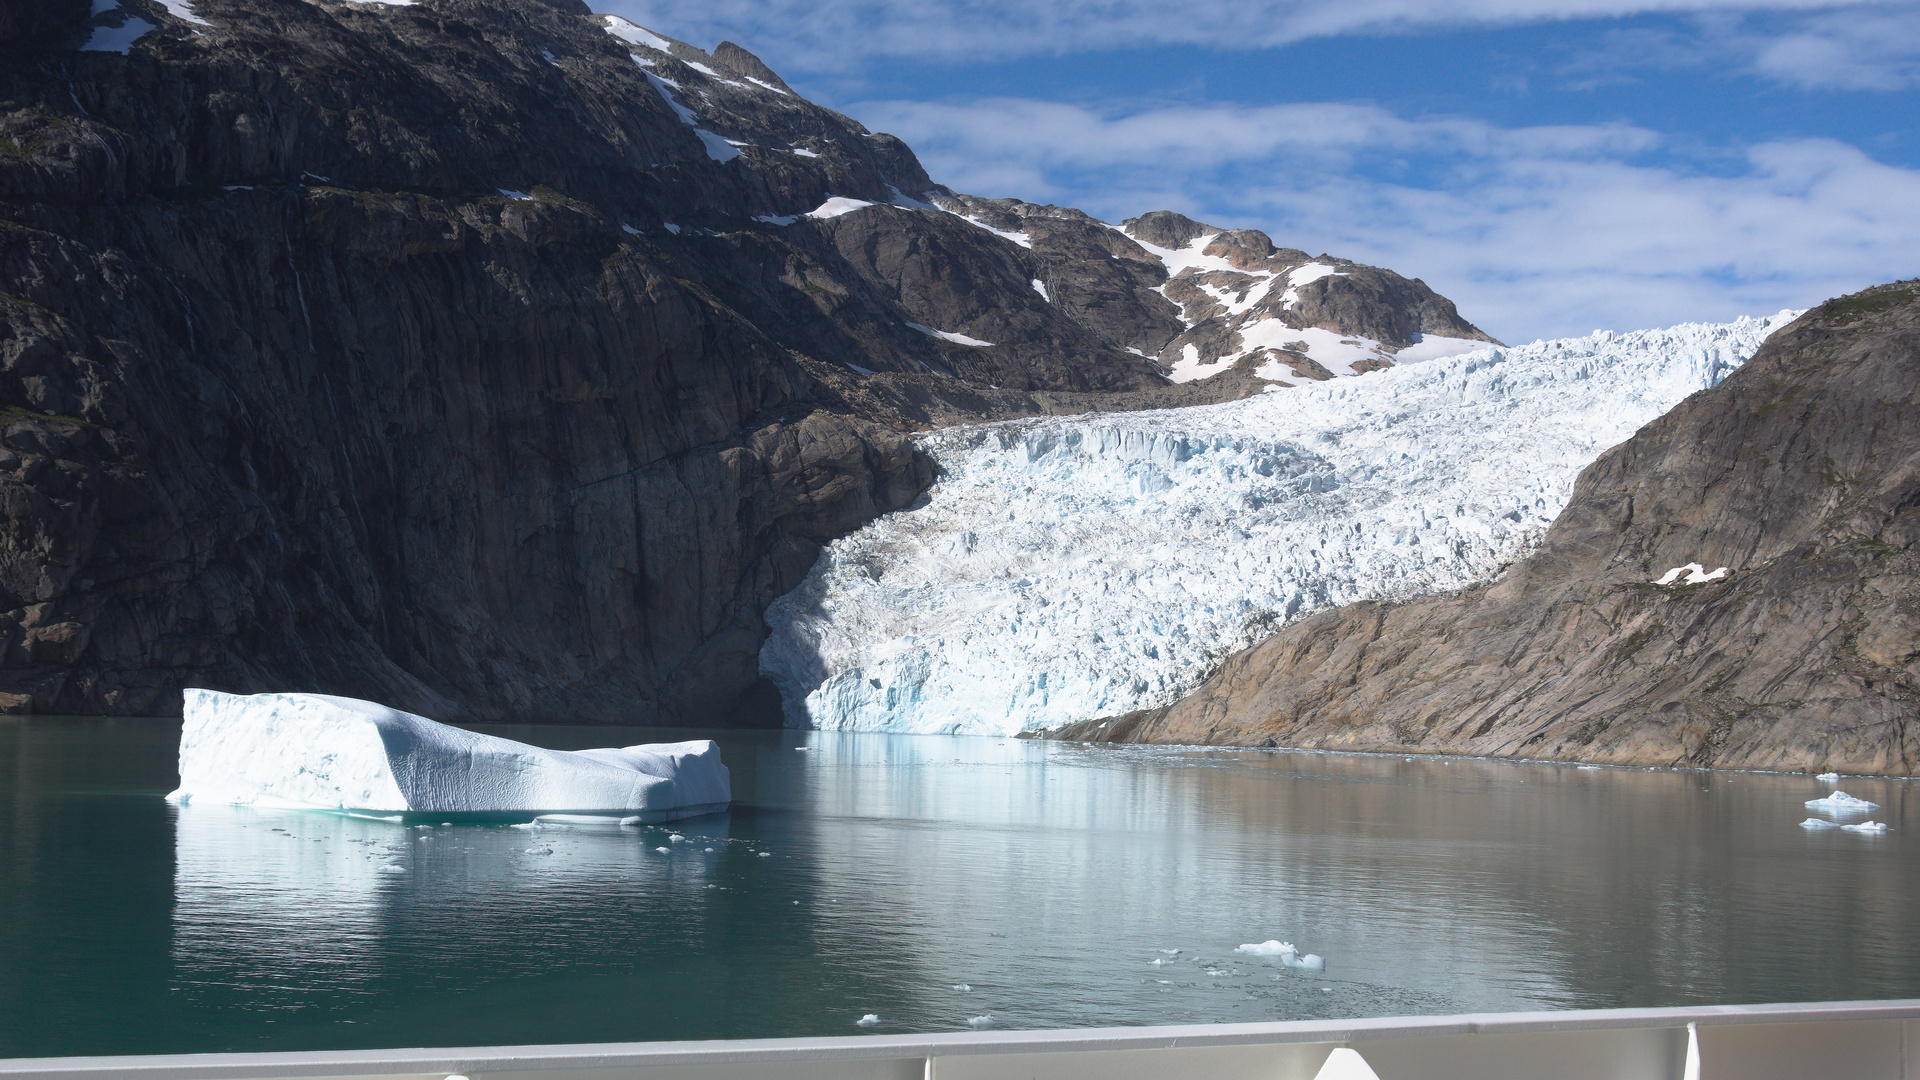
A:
(1535, 231)
(829, 35)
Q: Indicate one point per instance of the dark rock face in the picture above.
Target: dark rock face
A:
(1800, 473)
(483, 357)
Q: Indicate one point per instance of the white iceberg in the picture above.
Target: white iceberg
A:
(1840, 802)
(1829, 777)
(314, 751)
(1819, 823)
(1286, 954)
(1867, 827)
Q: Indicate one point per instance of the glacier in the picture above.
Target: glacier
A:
(315, 751)
(1068, 568)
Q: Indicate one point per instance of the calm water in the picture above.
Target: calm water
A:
(874, 873)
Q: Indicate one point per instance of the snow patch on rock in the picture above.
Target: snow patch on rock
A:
(1066, 568)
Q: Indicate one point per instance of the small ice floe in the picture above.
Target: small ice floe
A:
(1841, 802)
(1829, 777)
(664, 850)
(1866, 827)
(587, 819)
(1695, 575)
(766, 854)
(984, 1021)
(868, 1020)
(1171, 952)
(1158, 962)
(525, 825)
(1585, 768)
(963, 988)
(539, 851)
(1286, 954)
(709, 851)
(1819, 823)
(393, 868)
(676, 838)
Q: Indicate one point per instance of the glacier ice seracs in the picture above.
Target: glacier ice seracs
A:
(1065, 568)
(314, 751)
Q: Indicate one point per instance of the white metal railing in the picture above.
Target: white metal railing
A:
(1851, 1040)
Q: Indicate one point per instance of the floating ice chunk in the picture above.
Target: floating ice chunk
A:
(1819, 823)
(709, 851)
(766, 854)
(1587, 767)
(664, 850)
(1829, 777)
(1840, 802)
(313, 751)
(676, 838)
(963, 987)
(1695, 575)
(534, 824)
(622, 820)
(539, 851)
(393, 868)
(868, 1020)
(1866, 827)
(1286, 954)
(1171, 952)
(985, 1021)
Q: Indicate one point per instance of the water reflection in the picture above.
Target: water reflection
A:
(927, 880)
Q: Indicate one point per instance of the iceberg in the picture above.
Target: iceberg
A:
(1286, 954)
(1841, 803)
(315, 751)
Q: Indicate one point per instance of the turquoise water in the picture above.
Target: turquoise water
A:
(877, 873)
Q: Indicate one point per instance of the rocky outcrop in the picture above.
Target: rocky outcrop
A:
(1800, 474)
(489, 358)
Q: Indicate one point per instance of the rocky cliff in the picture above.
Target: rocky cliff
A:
(1622, 640)
(485, 357)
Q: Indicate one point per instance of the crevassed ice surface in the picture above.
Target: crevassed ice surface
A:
(1069, 568)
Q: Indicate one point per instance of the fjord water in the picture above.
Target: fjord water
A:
(872, 873)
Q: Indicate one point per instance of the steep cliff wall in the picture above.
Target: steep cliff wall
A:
(1800, 474)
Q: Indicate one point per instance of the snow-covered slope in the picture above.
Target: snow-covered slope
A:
(1068, 568)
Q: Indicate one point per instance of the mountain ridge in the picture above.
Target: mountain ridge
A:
(486, 357)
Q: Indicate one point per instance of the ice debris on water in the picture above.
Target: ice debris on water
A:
(1286, 954)
(393, 868)
(664, 850)
(1829, 777)
(1866, 827)
(766, 854)
(962, 987)
(868, 1020)
(1819, 823)
(984, 1021)
(1840, 801)
(539, 851)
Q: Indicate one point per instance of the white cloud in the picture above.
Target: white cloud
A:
(823, 35)
(1534, 231)
(1851, 50)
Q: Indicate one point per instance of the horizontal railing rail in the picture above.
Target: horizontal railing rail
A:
(1860, 1040)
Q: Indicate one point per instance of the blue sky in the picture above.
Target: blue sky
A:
(1553, 167)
